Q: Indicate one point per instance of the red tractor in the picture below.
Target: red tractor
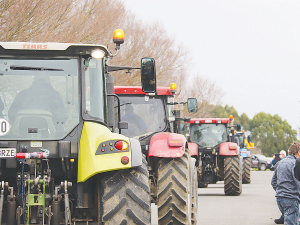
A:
(151, 120)
(217, 156)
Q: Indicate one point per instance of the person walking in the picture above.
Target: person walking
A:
(287, 187)
(282, 155)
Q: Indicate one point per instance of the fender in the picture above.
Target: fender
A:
(92, 160)
(229, 149)
(193, 167)
(193, 147)
(136, 152)
(160, 147)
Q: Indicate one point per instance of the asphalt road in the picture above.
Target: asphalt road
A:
(256, 205)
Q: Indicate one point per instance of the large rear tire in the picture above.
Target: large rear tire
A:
(174, 197)
(246, 170)
(125, 197)
(233, 176)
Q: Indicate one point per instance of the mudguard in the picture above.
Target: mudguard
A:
(159, 145)
(193, 167)
(136, 152)
(229, 149)
(193, 147)
(97, 153)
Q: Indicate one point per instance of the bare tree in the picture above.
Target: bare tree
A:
(152, 41)
(93, 21)
(207, 93)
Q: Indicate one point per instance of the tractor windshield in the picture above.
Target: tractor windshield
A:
(94, 94)
(208, 135)
(144, 115)
(241, 140)
(38, 98)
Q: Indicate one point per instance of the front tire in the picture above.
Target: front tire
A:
(174, 198)
(262, 167)
(233, 176)
(246, 171)
(125, 197)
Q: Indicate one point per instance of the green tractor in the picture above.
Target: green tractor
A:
(60, 162)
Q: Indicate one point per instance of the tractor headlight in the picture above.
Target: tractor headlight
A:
(98, 54)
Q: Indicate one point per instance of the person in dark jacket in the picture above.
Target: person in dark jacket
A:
(282, 155)
(287, 187)
(297, 169)
(40, 95)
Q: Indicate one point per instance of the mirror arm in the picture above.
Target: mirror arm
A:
(176, 103)
(185, 119)
(118, 68)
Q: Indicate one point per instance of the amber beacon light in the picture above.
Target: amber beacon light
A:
(118, 38)
(173, 87)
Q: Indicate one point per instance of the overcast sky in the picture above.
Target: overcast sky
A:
(251, 48)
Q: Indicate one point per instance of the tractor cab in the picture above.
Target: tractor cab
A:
(144, 113)
(209, 133)
(47, 91)
(148, 109)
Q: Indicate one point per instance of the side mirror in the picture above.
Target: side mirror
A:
(192, 105)
(148, 75)
(238, 127)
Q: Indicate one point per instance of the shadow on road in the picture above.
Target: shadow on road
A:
(211, 194)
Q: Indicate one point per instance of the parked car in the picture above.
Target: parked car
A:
(260, 161)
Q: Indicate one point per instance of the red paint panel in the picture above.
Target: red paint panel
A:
(138, 90)
(193, 147)
(210, 120)
(225, 149)
(159, 145)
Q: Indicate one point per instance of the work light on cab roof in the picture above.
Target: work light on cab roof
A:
(98, 54)
(118, 38)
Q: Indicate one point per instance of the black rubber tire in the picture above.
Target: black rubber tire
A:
(262, 167)
(125, 197)
(233, 176)
(194, 197)
(246, 170)
(174, 199)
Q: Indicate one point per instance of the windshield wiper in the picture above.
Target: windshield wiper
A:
(34, 68)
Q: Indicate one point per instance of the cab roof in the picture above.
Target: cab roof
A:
(48, 47)
(43, 45)
(137, 90)
(210, 120)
